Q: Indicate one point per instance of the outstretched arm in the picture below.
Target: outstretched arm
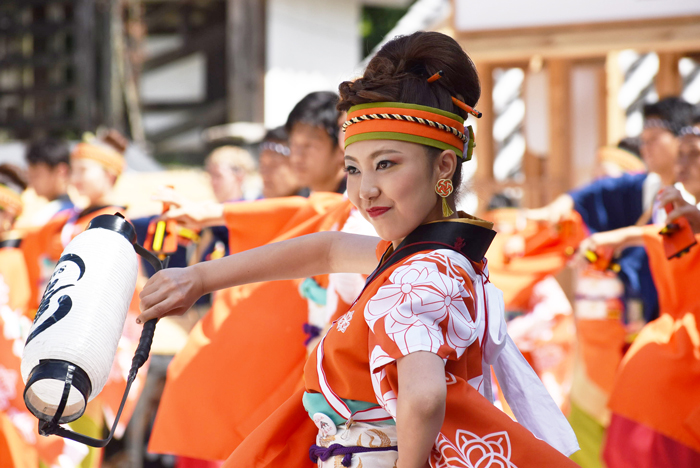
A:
(617, 239)
(173, 291)
(555, 211)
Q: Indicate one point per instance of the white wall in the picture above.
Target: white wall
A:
(585, 115)
(472, 15)
(312, 45)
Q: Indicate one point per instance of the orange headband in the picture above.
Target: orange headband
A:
(409, 122)
(626, 160)
(10, 200)
(110, 159)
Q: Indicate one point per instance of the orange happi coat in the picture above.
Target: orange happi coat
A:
(20, 443)
(246, 356)
(658, 384)
(546, 249)
(425, 302)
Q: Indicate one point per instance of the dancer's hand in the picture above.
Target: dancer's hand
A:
(681, 208)
(170, 292)
(194, 215)
(553, 213)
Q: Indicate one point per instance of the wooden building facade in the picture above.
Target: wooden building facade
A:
(571, 66)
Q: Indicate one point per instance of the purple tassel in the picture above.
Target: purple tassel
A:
(312, 331)
(324, 453)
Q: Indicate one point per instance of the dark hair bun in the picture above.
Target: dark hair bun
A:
(13, 177)
(114, 139)
(400, 70)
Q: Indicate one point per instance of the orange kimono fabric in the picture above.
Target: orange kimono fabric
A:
(544, 254)
(658, 384)
(49, 242)
(425, 302)
(246, 356)
(21, 446)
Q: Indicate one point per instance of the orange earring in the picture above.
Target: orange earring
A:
(444, 188)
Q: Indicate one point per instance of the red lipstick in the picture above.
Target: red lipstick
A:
(377, 211)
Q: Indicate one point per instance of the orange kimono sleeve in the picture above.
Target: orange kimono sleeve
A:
(673, 278)
(13, 270)
(35, 245)
(251, 344)
(256, 223)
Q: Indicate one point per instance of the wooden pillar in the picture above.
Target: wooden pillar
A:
(602, 105)
(84, 64)
(559, 160)
(245, 60)
(668, 79)
(484, 182)
(615, 115)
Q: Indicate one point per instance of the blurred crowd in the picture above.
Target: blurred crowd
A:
(598, 301)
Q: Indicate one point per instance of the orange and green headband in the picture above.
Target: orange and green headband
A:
(10, 200)
(412, 123)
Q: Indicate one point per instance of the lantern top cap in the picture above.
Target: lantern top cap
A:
(116, 223)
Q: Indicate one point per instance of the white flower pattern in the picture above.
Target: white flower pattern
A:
(8, 386)
(472, 451)
(344, 321)
(416, 299)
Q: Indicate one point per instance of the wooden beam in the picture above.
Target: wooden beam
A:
(559, 159)
(245, 60)
(582, 40)
(484, 156)
(205, 116)
(211, 38)
(614, 114)
(668, 79)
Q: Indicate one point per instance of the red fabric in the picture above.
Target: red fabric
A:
(186, 462)
(633, 445)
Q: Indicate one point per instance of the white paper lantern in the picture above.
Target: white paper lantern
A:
(73, 341)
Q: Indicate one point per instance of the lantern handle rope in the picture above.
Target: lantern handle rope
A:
(143, 349)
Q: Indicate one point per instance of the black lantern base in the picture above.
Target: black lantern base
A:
(64, 372)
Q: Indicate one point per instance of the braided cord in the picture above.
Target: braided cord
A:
(406, 118)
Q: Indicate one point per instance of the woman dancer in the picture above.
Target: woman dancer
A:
(399, 379)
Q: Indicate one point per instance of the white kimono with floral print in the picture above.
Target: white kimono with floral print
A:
(424, 309)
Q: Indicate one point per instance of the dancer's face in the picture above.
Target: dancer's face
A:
(315, 157)
(688, 165)
(91, 179)
(659, 149)
(279, 180)
(392, 183)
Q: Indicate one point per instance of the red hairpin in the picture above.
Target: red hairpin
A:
(435, 77)
(466, 108)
